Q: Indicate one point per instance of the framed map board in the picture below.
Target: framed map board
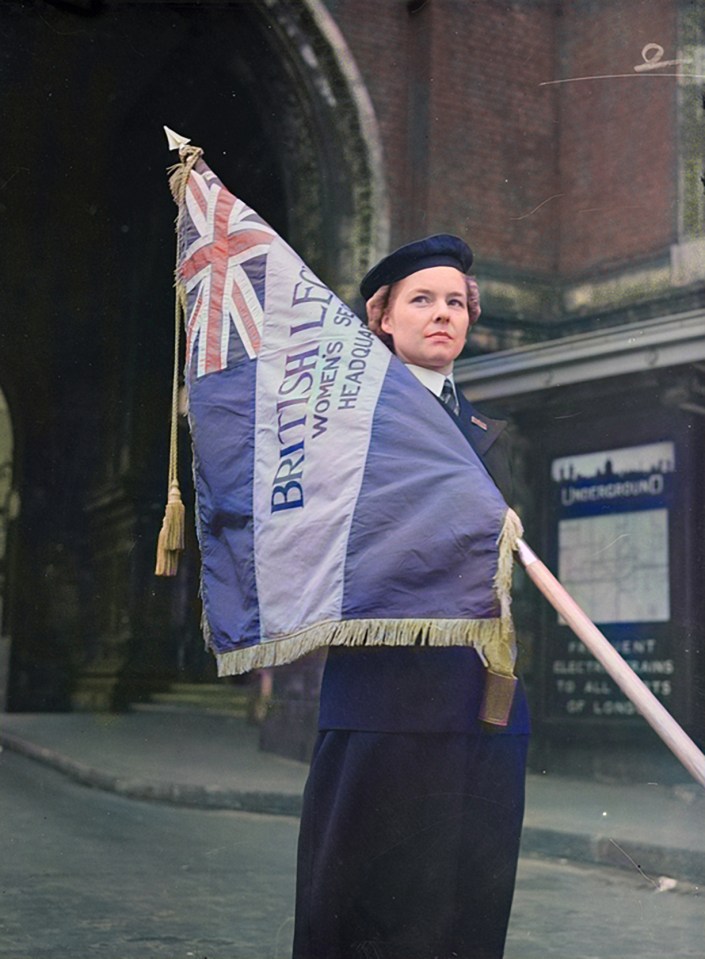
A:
(616, 523)
(613, 531)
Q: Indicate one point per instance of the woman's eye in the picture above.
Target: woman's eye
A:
(459, 303)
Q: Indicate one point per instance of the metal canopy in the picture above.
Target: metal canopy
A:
(654, 344)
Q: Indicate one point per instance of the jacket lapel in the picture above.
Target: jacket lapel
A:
(479, 430)
(493, 455)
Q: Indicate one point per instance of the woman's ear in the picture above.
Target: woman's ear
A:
(384, 323)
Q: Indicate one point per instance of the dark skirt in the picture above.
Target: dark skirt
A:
(409, 845)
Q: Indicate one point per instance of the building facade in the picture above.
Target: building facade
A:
(563, 139)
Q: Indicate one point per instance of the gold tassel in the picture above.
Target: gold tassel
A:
(171, 536)
(173, 525)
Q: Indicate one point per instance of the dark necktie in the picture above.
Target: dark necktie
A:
(448, 397)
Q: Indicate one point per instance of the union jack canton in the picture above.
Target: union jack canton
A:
(223, 259)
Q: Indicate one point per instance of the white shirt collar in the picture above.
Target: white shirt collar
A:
(431, 379)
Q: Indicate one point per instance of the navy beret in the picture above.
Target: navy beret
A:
(439, 250)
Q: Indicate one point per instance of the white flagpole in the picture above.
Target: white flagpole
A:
(658, 717)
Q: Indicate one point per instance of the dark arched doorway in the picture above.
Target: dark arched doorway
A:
(268, 90)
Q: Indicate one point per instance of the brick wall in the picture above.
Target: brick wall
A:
(494, 156)
(467, 132)
(618, 159)
(544, 180)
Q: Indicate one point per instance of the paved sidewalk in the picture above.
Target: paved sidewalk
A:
(209, 761)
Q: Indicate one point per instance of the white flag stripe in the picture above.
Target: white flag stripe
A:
(261, 249)
(201, 184)
(196, 213)
(225, 331)
(236, 211)
(212, 204)
(304, 480)
(203, 329)
(197, 278)
(246, 226)
(193, 327)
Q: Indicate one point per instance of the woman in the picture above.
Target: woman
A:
(412, 812)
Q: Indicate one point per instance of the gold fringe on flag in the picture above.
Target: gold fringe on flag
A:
(493, 639)
(500, 681)
(512, 531)
(171, 537)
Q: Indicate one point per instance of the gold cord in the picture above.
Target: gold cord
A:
(171, 536)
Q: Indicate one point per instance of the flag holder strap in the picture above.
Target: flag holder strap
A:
(653, 711)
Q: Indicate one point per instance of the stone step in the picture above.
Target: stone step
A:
(204, 696)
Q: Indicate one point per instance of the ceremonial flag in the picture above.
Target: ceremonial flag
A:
(337, 502)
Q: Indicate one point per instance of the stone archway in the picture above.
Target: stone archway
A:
(349, 205)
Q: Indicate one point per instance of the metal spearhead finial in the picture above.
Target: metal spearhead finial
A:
(175, 140)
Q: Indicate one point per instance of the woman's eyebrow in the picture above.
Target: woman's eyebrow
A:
(421, 289)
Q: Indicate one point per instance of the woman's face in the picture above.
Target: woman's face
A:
(427, 317)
